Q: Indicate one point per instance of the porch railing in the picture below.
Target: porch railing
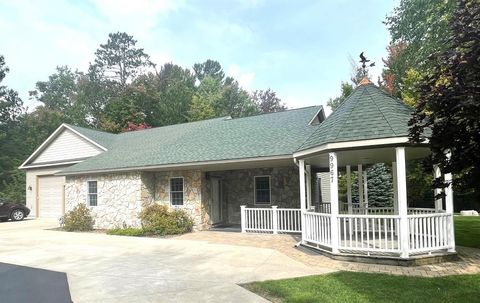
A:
(369, 233)
(429, 232)
(274, 220)
(318, 228)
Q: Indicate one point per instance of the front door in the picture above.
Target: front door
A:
(216, 201)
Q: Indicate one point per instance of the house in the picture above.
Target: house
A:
(274, 172)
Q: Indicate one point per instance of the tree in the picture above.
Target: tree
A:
(209, 68)
(380, 186)
(418, 30)
(207, 95)
(11, 112)
(449, 103)
(119, 59)
(267, 101)
(346, 89)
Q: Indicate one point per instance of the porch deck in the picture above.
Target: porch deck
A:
(371, 232)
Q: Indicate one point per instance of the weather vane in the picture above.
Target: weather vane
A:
(364, 61)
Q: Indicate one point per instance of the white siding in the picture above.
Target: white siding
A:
(325, 186)
(67, 146)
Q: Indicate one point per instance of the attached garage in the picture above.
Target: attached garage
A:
(51, 196)
(67, 146)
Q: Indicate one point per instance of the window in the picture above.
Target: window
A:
(92, 193)
(176, 191)
(262, 190)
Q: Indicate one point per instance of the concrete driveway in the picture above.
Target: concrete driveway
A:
(103, 268)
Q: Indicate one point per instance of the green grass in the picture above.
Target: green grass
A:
(467, 231)
(367, 287)
(130, 231)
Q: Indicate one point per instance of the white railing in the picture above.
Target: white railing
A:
(272, 219)
(289, 220)
(369, 232)
(324, 208)
(420, 211)
(429, 232)
(317, 228)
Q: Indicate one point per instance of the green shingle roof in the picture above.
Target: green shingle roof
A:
(264, 135)
(103, 138)
(368, 113)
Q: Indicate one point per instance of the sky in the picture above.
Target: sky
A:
(300, 49)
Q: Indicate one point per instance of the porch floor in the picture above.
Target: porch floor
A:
(468, 263)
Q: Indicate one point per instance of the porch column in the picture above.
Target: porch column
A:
(449, 207)
(402, 200)
(301, 173)
(365, 190)
(437, 191)
(395, 188)
(349, 190)
(309, 186)
(334, 200)
(360, 186)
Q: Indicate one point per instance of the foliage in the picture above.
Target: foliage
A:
(449, 103)
(419, 184)
(370, 287)
(129, 231)
(418, 29)
(267, 101)
(78, 219)
(119, 59)
(467, 231)
(380, 186)
(346, 90)
(159, 220)
(134, 127)
(209, 68)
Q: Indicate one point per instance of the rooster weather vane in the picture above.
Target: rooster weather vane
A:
(364, 62)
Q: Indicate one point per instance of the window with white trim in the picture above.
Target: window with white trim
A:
(176, 191)
(92, 193)
(262, 190)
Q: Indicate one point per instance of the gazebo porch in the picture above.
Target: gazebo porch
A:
(353, 229)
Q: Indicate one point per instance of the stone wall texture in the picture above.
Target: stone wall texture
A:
(119, 198)
(156, 189)
(238, 189)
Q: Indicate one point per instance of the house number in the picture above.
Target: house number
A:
(332, 169)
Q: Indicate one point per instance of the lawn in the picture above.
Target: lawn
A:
(367, 287)
(467, 231)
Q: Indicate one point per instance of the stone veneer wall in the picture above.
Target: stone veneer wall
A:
(156, 189)
(119, 198)
(238, 189)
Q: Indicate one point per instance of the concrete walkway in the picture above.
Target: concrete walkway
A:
(469, 262)
(103, 268)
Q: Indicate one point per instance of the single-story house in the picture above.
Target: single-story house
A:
(270, 173)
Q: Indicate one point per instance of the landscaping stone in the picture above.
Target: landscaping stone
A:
(469, 213)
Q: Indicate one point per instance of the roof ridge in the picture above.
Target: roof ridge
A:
(272, 113)
(381, 112)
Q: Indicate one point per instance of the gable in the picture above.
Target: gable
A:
(66, 146)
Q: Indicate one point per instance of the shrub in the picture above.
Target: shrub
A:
(129, 231)
(78, 219)
(159, 220)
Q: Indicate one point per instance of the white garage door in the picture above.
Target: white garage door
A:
(50, 196)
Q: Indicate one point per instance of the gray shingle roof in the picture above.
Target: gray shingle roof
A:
(368, 113)
(264, 135)
(103, 138)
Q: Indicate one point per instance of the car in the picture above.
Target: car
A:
(13, 211)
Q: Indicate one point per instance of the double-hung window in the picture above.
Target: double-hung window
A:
(176, 191)
(92, 193)
(262, 189)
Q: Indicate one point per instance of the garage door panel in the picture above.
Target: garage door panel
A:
(50, 196)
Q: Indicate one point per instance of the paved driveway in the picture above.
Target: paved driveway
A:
(103, 268)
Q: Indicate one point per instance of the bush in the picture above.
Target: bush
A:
(78, 219)
(129, 231)
(159, 220)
